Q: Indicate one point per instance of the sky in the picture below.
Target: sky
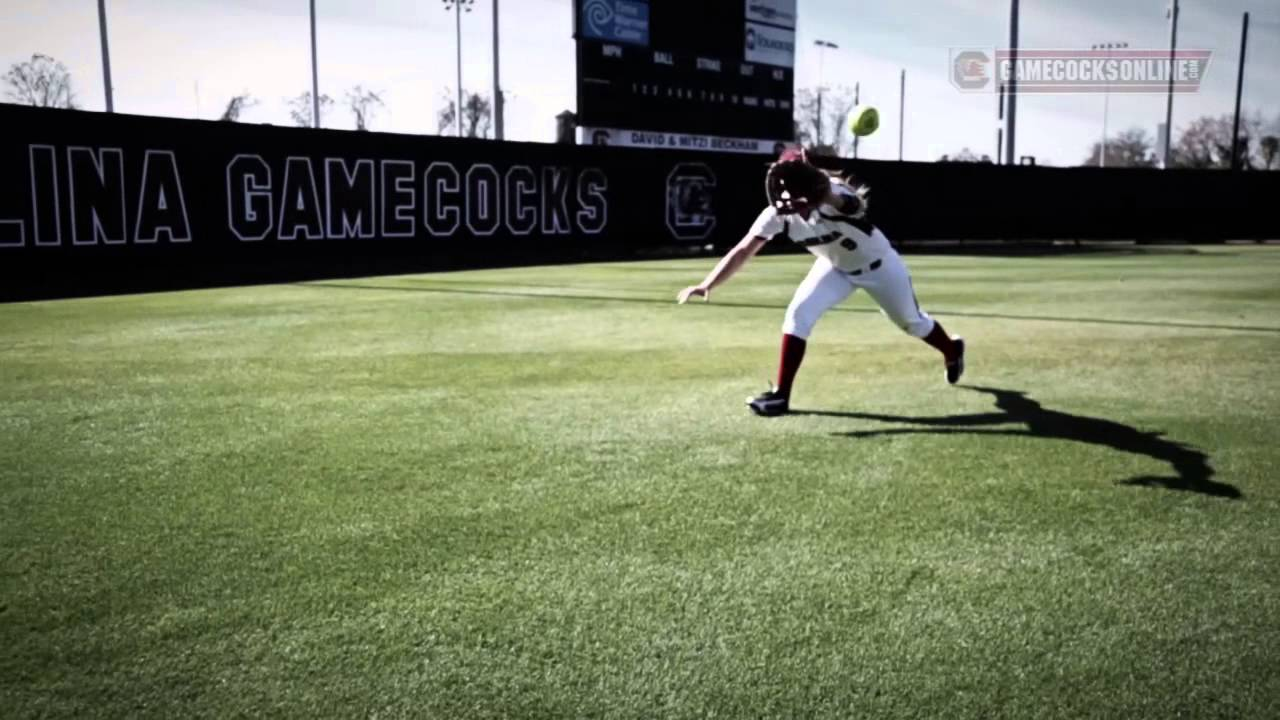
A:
(186, 58)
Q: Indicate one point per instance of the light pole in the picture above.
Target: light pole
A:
(315, 72)
(1235, 128)
(1011, 87)
(106, 54)
(458, 7)
(1172, 13)
(857, 92)
(822, 45)
(902, 111)
(497, 87)
(1106, 98)
(1000, 126)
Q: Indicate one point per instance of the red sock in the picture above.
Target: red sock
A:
(939, 339)
(792, 354)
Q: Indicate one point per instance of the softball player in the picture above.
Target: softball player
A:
(827, 216)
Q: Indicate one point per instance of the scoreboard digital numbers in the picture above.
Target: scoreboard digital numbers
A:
(686, 74)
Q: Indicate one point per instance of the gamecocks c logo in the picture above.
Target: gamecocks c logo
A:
(691, 214)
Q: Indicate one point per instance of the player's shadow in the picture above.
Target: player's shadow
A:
(1190, 465)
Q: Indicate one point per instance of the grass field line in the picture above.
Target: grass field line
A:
(764, 306)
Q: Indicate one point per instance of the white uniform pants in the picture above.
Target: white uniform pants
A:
(826, 286)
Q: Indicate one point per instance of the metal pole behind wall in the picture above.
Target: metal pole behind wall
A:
(902, 111)
(1106, 99)
(1000, 126)
(315, 72)
(857, 92)
(106, 55)
(1173, 49)
(821, 50)
(1236, 157)
(497, 87)
(1010, 136)
(457, 6)
(1106, 106)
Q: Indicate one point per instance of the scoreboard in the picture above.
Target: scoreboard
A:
(699, 74)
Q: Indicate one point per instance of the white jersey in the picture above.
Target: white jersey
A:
(848, 243)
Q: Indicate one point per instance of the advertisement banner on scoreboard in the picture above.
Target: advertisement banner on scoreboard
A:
(625, 21)
(678, 141)
(770, 45)
(772, 12)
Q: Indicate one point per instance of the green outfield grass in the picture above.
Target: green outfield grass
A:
(537, 493)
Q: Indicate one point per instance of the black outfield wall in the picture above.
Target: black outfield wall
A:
(105, 203)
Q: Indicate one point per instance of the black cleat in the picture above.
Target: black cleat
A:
(955, 368)
(770, 403)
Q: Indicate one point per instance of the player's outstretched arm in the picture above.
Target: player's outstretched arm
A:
(728, 265)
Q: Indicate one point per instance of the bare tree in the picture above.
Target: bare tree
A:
(363, 104)
(237, 105)
(40, 81)
(1270, 146)
(825, 134)
(966, 156)
(300, 109)
(1207, 143)
(1131, 148)
(476, 115)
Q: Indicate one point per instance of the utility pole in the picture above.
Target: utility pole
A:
(1173, 50)
(1236, 159)
(106, 55)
